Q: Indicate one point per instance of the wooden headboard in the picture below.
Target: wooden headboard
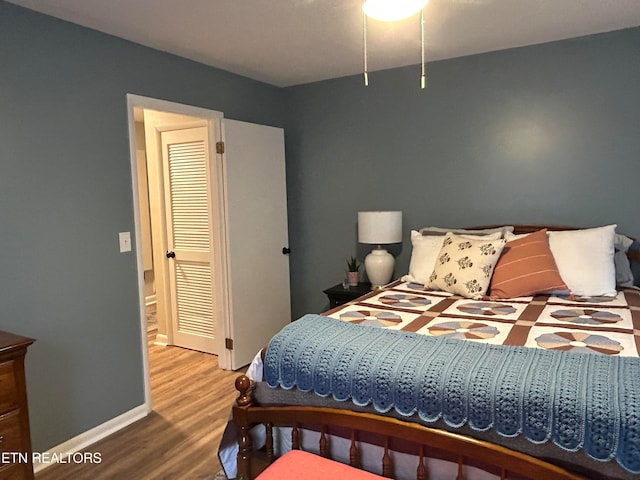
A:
(633, 255)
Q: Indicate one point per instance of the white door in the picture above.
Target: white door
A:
(188, 197)
(256, 211)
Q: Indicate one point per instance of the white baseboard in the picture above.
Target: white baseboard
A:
(89, 437)
(161, 340)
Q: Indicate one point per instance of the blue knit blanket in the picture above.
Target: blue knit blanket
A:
(579, 401)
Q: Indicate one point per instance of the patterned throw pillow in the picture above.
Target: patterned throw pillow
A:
(425, 250)
(526, 267)
(464, 266)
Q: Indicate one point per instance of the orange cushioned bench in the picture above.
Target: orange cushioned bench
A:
(297, 464)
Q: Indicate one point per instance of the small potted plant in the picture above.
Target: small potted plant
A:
(353, 268)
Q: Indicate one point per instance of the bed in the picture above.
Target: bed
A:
(527, 368)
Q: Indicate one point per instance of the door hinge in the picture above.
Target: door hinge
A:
(219, 147)
(228, 343)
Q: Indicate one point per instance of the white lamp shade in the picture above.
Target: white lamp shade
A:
(379, 228)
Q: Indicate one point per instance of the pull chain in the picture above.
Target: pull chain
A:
(423, 78)
(364, 28)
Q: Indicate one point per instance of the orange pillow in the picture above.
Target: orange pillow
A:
(525, 268)
(297, 464)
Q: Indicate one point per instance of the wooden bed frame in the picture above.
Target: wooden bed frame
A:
(384, 431)
(387, 432)
(632, 255)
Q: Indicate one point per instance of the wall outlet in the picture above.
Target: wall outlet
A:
(125, 241)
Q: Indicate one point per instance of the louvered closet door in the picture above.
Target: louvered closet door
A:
(189, 237)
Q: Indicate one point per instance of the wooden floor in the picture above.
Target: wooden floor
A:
(191, 400)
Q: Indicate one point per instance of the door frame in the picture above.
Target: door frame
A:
(213, 118)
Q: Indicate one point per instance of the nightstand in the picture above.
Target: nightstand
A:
(339, 295)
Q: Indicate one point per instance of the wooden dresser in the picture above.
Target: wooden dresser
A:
(15, 437)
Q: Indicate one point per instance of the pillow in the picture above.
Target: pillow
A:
(423, 257)
(425, 250)
(585, 259)
(624, 275)
(465, 231)
(512, 236)
(464, 266)
(526, 267)
(622, 267)
(297, 464)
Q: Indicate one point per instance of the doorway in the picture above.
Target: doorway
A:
(158, 275)
(248, 201)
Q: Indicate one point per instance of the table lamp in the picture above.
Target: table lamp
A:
(379, 228)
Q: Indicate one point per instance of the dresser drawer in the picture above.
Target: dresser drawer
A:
(15, 438)
(8, 387)
(14, 471)
(10, 432)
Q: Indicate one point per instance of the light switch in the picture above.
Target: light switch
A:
(125, 241)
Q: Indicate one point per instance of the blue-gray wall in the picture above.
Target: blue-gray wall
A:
(65, 193)
(542, 134)
(549, 133)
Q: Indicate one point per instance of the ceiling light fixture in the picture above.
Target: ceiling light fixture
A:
(390, 11)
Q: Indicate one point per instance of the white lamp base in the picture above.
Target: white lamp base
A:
(379, 266)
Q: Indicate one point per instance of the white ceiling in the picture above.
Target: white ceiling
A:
(290, 42)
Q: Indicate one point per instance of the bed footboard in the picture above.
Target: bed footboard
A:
(387, 432)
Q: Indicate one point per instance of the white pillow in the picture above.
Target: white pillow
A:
(466, 231)
(425, 250)
(512, 236)
(585, 259)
